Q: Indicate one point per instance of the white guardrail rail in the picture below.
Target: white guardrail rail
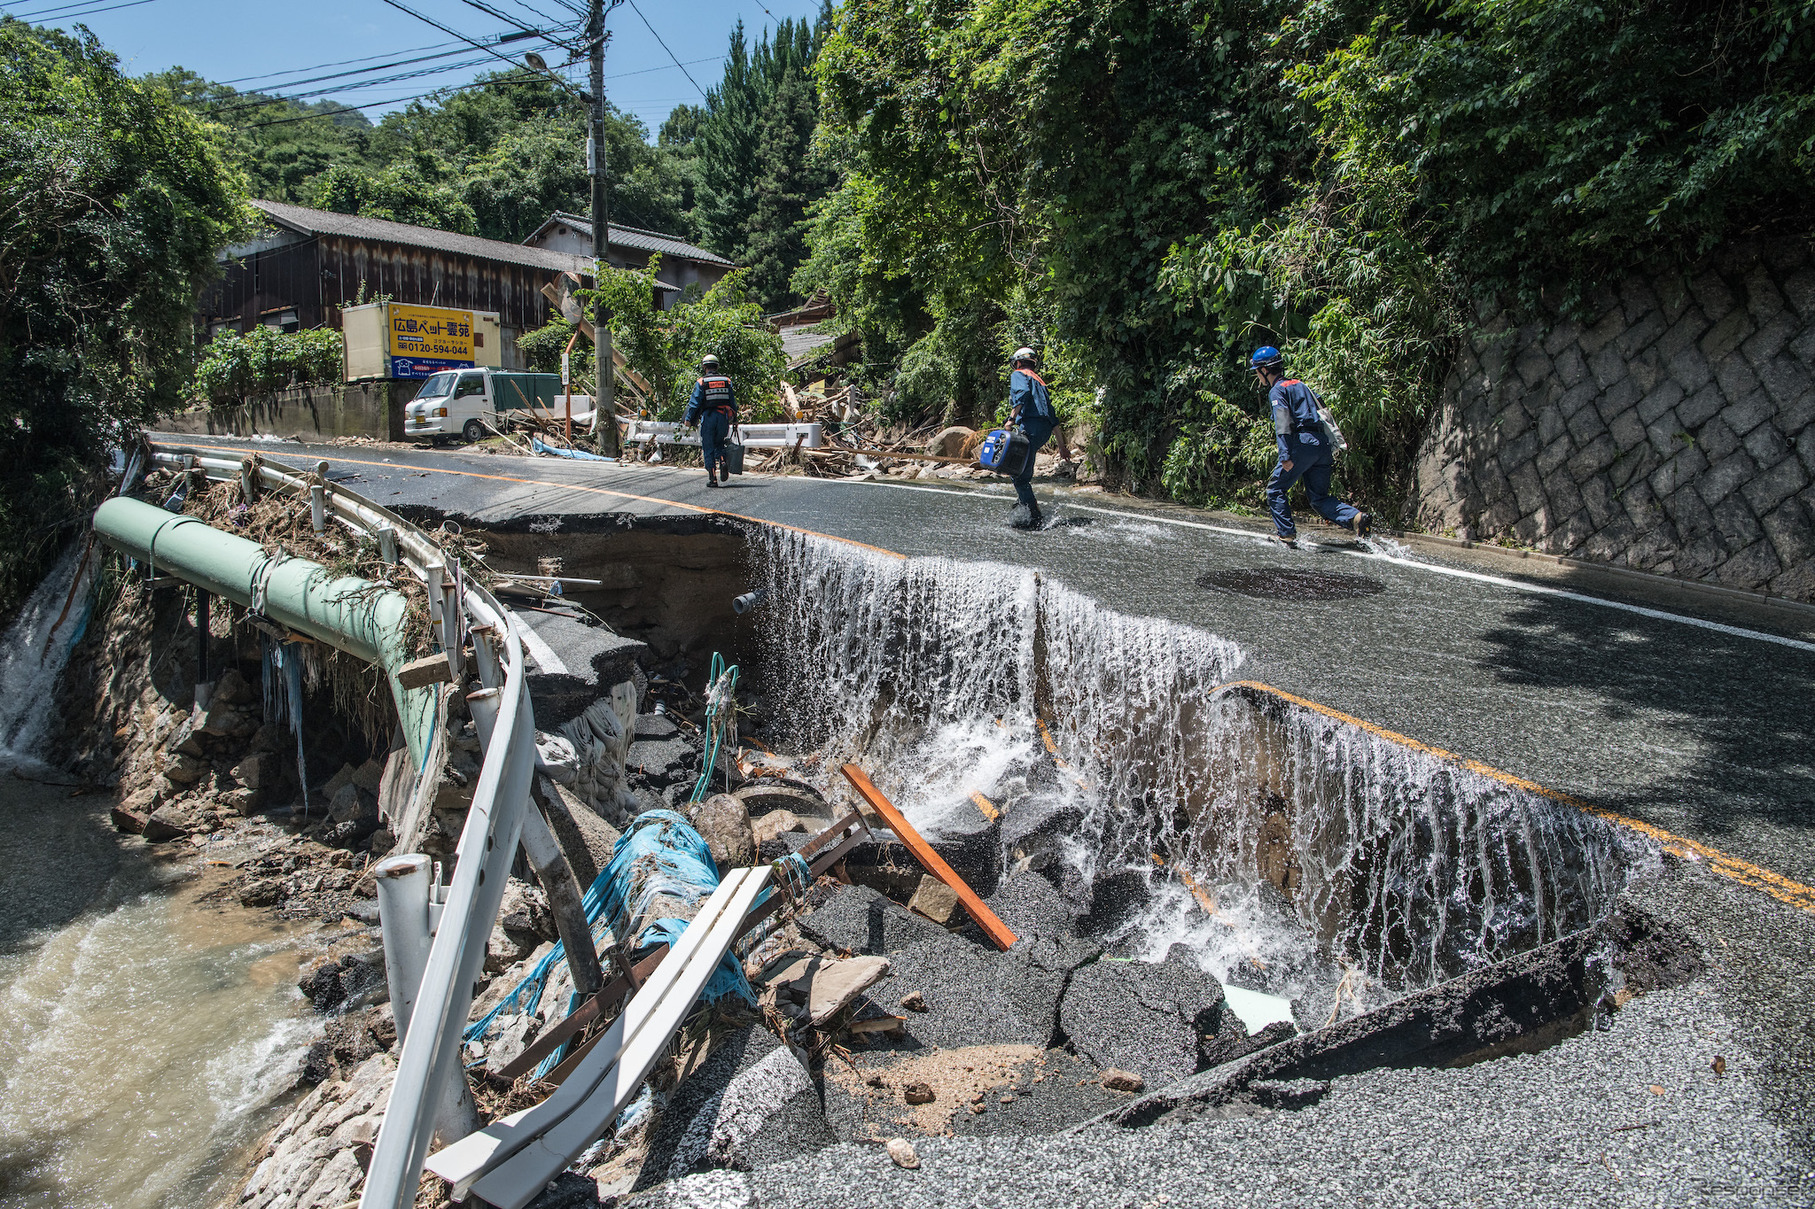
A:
(756, 436)
(430, 1051)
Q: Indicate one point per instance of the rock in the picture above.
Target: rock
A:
(917, 1093)
(265, 892)
(233, 689)
(902, 1152)
(524, 910)
(1141, 1017)
(345, 806)
(1121, 1080)
(950, 442)
(934, 899)
(132, 822)
(244, 801)
(751, 1102)
(821, 986)
(724, 824)
(421, 673)
(778, 823)
(513, 1036)
(185, 769)
(505, 949)
(187, 738)
(169, 823)
(858, 919)
(225, 721)
(914, 1001)
(270, 737)
(335, 984)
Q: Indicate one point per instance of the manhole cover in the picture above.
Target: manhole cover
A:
(1279, 583)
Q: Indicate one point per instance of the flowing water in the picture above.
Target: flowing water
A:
(1284, 849)
(146, 1036)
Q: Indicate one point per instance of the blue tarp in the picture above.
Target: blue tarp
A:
(661, 853)
(579, 455)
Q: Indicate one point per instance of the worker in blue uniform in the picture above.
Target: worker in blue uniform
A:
(714, 408)
(1308, 443)
(1030, 407)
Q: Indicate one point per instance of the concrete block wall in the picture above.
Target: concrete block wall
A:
(311, 413)
(1673, 433)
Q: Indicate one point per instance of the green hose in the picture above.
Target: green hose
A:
(715, 724)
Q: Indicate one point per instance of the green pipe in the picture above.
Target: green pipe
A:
(353, 614)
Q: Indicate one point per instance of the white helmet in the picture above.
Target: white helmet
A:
(1023, 354)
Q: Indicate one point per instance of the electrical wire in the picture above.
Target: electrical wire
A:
(253, 100)
(339, 63)
(332, 113)
(64, 13)
(671, 55)
(404, 8)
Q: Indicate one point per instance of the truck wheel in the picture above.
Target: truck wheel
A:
(474, 431)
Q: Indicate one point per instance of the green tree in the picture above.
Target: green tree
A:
(757, 173)
(114, 203)
(400, 192)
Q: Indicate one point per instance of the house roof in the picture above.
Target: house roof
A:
(326, 222)
(635, 237)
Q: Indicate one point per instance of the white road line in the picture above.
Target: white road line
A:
(1435, 568)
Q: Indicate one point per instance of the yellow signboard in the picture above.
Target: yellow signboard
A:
(432, 332)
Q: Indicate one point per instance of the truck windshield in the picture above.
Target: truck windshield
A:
(436, 386)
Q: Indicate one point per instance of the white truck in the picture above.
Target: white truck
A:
(474, 402)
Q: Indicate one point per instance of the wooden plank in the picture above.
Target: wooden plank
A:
(935, 865)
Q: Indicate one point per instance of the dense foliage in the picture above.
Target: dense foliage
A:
(665, 347)
(1159, 188)
(265, 360)
(493, 159)
(113, 204)
(757, 170)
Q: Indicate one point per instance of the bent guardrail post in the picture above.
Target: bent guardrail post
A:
(429, 1056)
(351, 614)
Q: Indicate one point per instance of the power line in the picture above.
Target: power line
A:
(255, 100)
(436, 46)
(310, 117)
(404, 8)
(671, 55)
(63, 14)
(340, 75)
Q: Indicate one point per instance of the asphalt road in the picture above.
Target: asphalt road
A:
(1690, 711)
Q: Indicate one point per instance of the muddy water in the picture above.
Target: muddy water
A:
(146, 1037)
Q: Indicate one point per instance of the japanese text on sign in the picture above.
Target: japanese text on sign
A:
(427, 331)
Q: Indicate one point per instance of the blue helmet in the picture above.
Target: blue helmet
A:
(1267, 357)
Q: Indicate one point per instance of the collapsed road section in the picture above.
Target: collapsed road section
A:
(948, 851)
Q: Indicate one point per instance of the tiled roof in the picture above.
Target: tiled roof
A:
(634, 237)
(352, 226)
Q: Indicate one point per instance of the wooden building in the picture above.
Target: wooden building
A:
(308, 264)
(683, 264)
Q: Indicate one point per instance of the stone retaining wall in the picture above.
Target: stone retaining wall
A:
(1673, 433)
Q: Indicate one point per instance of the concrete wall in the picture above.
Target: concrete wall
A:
(353, 409)
(1673, 433)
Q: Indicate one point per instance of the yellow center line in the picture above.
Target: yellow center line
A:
(1727, 865)
(1744, 872)
(622, 495)
(987, 807)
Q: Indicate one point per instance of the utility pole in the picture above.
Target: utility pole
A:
(604, 404)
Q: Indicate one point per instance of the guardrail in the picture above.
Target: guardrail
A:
(429, 1051)
(756, 436)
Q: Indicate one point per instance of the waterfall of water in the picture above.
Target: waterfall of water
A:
(35, 649)
(1273, 841)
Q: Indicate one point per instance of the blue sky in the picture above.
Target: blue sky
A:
(264, 43)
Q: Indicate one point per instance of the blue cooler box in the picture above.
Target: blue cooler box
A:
(1003, 452)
